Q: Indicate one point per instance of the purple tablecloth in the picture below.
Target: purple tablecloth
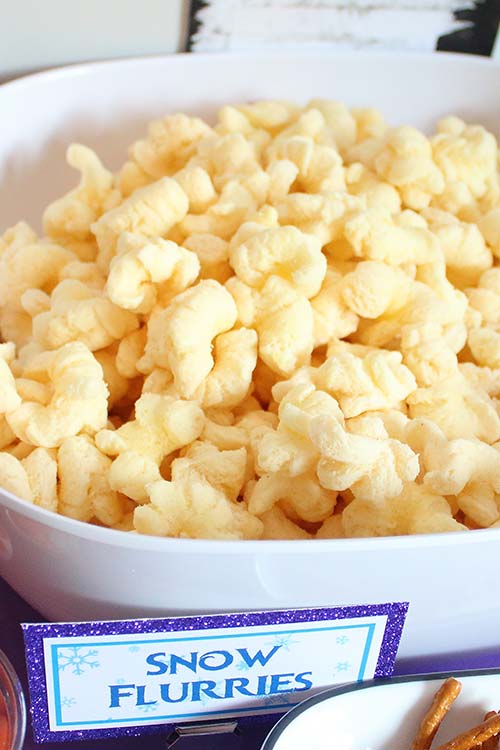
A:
(14, 610)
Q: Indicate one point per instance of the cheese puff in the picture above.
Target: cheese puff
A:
(289, 447)
(169, 144)
(72, 215)
(370, 123)
(86, 494)
(321, 215)
(16, 237)
(406, 161)
(489, 226)
(150, 211)
(144, 269)
(188, 506)
(79, 400)
(339, 121)
(479, 502)
(232, 120)
(129, 474)
(213, 254)
(278, 526)
(229, 381)
(41, 469)
(88, 273)
(180, 337)
(32, 266)
(162, 424)
(117, 385)
(285, 325)
(484, 343)
(272, 115)
(223, 469)
(485, 298)
(308, 500)
(482, 378)
(331, 528)
(79, 313)
(197, 184)
(377, 381)
(130, 350)
(457, 408)
(426, 353)
(374, 289)
(375, 235)
(285, 252)
(414, 511)
(224, 437)
(332, 317)
(159, 381)
(467, 155)
(460, 462)
(372, 469)
(235, 204)
(31, 390)
(130, 178)
(282, 175)
(13, 477)
(7, 437)
(370, 425)
(9, 398)
(464, 249)
(377, 193)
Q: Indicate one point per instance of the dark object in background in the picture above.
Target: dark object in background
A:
(479, 37)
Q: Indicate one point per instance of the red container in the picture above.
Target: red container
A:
(12, 707)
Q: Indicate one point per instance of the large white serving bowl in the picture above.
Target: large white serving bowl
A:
(384, 715)
(72, 571)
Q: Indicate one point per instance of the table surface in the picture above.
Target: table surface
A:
(13, 610)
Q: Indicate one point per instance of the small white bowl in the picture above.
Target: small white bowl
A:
(73, 571)
(383, 714)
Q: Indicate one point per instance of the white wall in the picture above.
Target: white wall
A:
(43, 33)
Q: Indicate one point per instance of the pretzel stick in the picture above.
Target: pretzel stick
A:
(475, 736)
(492, 742)
(440, 706)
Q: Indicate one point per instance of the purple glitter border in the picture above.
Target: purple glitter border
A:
(34, 635)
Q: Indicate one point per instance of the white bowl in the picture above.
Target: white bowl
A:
(73, 571)
(383, 714)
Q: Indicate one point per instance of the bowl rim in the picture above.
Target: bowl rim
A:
(278, 729)
(56, 72)
(133, 540)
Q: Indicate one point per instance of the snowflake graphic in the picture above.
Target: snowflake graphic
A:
(343, 666)
(133, 649)
(342, 640)
(219, 690)
(78, 659)
(242, 666)
(148, 708)
(283, 641)
(67, 701)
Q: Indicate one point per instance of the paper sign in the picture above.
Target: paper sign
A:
(102, 678)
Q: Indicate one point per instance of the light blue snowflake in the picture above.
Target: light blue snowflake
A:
(148, 708)
(219, 690)
(283, 641)
(78, 659)
(343, 666)
(67, 702)
(342, 640)
(120, 681)
(242, 666)
(133, 649)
